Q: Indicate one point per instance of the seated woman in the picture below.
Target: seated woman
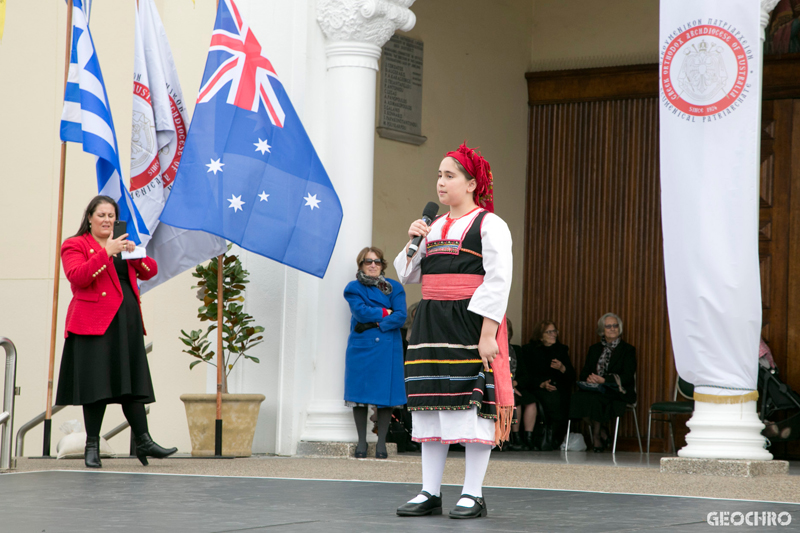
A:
(545, 375)
(607, 381)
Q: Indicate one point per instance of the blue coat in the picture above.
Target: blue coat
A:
(373, 371)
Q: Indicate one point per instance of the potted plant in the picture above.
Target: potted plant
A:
(239, 335)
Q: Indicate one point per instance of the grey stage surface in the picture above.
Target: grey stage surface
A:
(79, 501)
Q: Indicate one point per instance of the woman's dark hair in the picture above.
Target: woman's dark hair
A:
(540, 329)
(91, 208)
(363, 255)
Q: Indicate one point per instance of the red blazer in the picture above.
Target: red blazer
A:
(96, 292)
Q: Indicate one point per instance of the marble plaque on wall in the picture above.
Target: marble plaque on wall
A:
(401, 90)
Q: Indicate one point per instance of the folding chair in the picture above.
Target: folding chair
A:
(685, 389)
(630, 407)
(776, 396)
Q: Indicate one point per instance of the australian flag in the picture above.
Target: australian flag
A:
(249, 172)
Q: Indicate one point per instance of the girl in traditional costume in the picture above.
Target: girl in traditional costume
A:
(457, 368)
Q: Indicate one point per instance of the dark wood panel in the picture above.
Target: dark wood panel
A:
(589, 85)
(593, 241)
(781, 81)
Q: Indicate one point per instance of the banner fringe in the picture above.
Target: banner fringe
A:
(710, 398)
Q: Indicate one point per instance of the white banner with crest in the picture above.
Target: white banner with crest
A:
(710, 99)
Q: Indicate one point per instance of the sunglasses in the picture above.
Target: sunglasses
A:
(372, 262)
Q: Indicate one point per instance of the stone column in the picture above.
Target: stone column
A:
(355, 30)
(728, 427)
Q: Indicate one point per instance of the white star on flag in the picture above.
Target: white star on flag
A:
(312, 201)
(264, 196)
(215, 166)
(262, 146)
(236, 203)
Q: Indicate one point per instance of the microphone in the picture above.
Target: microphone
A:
(428, 214)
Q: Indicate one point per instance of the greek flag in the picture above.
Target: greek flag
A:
(86, 119)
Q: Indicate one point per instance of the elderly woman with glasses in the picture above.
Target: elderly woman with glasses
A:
(608, 380)
(373, 373)
(544, 376)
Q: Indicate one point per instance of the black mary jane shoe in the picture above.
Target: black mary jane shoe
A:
(431, 506)
(477, 510)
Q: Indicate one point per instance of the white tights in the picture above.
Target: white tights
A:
(434, 455)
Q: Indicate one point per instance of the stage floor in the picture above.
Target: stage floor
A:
(87, 501)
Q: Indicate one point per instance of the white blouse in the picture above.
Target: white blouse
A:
(491, 298)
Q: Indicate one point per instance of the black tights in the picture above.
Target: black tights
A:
(134, 413)
(384, 417)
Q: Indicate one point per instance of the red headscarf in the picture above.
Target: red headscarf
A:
(477, 167)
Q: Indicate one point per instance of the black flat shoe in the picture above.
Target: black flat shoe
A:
(477, 510)
(431, 506)
(91, 454)
(145, 447)
(360, 454)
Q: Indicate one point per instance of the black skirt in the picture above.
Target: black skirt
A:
(108, 368)
(597, 406)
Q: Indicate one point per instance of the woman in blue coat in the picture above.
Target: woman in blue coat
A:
(373, 373)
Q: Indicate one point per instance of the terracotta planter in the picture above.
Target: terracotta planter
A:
(239, 417)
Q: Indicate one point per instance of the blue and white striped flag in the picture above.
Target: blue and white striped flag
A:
(86, 119)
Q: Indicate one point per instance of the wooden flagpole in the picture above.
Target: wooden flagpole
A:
(57, 276)
(220, 356)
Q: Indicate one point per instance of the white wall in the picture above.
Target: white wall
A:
(568, 34)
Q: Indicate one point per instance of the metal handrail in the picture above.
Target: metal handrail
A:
(8, 403)
(29, 425)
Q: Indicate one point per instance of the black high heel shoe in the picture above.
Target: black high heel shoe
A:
(91, 454)
(145, 447)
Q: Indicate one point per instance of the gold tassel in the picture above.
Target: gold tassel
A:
(710, 398)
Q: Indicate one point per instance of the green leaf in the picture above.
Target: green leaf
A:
(194, 364)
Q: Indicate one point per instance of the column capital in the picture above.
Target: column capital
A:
(367, 22)
(766, 9)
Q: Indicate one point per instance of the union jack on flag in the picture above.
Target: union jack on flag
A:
(247, 69)
(249, 172)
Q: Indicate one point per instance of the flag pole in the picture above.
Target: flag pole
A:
(220, 357)
(57, 276)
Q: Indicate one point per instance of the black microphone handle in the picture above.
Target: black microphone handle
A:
(414, 246)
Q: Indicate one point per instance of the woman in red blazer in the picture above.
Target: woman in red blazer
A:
(104, 359)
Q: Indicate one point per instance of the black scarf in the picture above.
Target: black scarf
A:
(380, 282)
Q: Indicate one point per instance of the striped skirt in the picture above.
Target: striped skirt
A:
(443, 370)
